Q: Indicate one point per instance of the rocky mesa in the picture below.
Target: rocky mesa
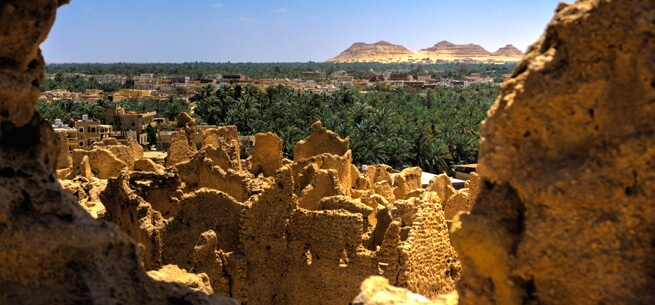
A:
(386, 52)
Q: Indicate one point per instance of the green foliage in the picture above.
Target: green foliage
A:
(79, 84)
(169, 108)
(151, 131)
(66, 110)
(265, 70)
(434, 129)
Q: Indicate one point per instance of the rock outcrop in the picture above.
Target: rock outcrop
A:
(565, 213)
(51, 250)
(508, 51)
(377, 291)
(447, 48)
(360, 51)
(183, 146)
(386, 52)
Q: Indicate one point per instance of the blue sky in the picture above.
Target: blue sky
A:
(281, 31)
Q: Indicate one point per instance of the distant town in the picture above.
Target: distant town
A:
(371, 103)
(153, 87)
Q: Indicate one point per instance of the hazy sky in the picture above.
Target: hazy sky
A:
(281, 31)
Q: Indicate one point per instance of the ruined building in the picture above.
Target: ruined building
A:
(563, 211)
(277, 231)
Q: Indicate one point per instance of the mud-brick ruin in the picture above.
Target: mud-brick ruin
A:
(561, 212)
(277, 231)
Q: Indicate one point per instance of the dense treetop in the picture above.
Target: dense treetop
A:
(432, 128)
(276, 70)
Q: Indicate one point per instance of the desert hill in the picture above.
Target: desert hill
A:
(360, 51)
(508, 50)
(386, 52)
(457, 50)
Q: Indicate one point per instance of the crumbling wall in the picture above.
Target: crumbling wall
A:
(296, 237)
(320, 141)
(376, 290)
(406, 181)
(565, 213)
(225, 139)
(64, 159)
(267, 156)
(201, 172)
(51, 250)
(103, 162)
(87, 192)
(147, 165)
(182, 147)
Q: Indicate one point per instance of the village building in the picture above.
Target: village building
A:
(129, 124)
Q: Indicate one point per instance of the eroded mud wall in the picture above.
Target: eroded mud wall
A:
(292, 234)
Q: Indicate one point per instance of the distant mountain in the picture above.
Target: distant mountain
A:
(509, 51)
(386, 52)
(457, 50)
(360, 51)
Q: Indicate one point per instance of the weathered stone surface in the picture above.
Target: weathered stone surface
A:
(207, 259)
(266, 157)
(225, 140)
(442, 186)
(147, 165)
(123, 153)
(565, 214)
(183, 146)
(376, 290)
(325, 183)
(305, 169)
(406, 181)
(320, 141)
(201, 172)
(51, 250)
(173, 274)
(103, 163)
(108, 141)
(22, 64)
(258, 237)
(184, 120)
(137, 150)
(87, 192)
(64, 160)
(461, 201)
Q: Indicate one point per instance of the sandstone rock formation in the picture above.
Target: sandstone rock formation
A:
(51, 250)
(508, 51)
(87, 192)
(386, 52)
(565, 214)
(226, 146)
(377, 291)
(292, 235)
(183, 146)
(455, 201)
(267, 156)
(184, 120)
(447, 48)
(360, 51)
